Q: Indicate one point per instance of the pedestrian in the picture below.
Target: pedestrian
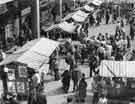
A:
(68, 101)
(83, 53)
(66, 76)
(107, 17)
(93, 63)
(56, 70)
(95, 89)
(70, 60)
(76, 75)
(82, 89)
(102, 99)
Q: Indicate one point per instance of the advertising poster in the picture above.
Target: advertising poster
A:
(22, 71)
(20, 87)
(1, 89)
(11, 74)
(11, 87)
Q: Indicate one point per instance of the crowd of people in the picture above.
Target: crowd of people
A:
(91, 51)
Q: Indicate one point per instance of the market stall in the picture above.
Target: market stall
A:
(88, 8)
(61, 30)
(34, 55)
(119, 78)
(80, 16)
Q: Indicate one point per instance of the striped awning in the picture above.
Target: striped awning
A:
(110, 68)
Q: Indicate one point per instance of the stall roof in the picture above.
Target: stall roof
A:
(65, 26)
(80, 16)
(34, 53)
(97, 2)
(50, 28)
(68, 16)
(68, 27)
(117, 69)
(5, 1)
(88, 8)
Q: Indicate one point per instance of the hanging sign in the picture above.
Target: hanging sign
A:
(22, 71)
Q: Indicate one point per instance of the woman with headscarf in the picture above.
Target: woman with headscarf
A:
(82, 89)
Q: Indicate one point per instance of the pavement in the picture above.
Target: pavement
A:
(53, 89)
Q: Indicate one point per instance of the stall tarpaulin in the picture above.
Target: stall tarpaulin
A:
(110, 68)
(34, 53)
(97, 2)
(68, 27)
(80, 16)
(88, 8)
(68, 16)
(5, 1)
(50, 28)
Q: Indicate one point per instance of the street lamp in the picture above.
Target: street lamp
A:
(74, 4)
(38, 17)
(60, 10)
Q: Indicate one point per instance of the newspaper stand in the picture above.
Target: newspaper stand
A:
(17, 80)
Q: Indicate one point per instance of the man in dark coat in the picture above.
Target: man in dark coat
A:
(70, 60)
(76, 75)
(82, 89)
(93, 63)
(66, 80)
(107, 17)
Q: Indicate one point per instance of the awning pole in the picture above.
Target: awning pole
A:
(38, 17)
(60, 10)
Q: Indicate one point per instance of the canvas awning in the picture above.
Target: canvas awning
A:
(64, 26)
(80, 16)
(49, 28)
(34, 53)
(68, 16)
(117, 69)
(5, 1)
(97, 2)
(68, 27)
(88, 8)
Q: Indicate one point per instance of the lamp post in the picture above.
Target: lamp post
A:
(74, 4)
(60, 10)
(38, 17)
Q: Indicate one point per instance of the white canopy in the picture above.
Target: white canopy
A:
(80, 16)
(50, 28)
(68, 16)
(117, 69)
(5, 1)
(68, 27)
(34, 53)
(97, 2)
(88, 8)
(65, 26)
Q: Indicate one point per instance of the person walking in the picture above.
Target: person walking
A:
(82, 89)
(107, 17)
(76, 74)
(66, 76)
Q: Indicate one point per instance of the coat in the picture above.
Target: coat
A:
(82, 88)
